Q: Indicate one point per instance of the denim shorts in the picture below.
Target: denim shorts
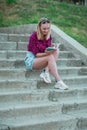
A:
(29, 60)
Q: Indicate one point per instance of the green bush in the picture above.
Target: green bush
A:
(10, 1)
(1, 18)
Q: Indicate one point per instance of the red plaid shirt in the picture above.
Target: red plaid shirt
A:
(37, 46)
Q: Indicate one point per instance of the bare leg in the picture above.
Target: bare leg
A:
(47, 61)
(56, 55)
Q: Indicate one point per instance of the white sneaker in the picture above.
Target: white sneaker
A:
(46, 77)
(60, 85)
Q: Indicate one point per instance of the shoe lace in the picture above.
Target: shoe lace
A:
(47, 75)
(61, 85)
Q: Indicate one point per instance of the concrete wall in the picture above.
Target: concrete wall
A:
(71, 44)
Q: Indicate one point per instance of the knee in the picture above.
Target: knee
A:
(51, 57)
(57, 52)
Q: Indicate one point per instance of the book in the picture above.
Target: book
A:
(53, 47)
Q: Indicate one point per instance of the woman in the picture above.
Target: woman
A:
(38, 57)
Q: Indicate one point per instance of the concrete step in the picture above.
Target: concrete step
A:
(17, 85)
(72, 99)
(77, 93)
(13, 45)
(28, 95)
(71, 81)
(18, 38)
(31, 84)
(77, 106)
(24, 96)
(47, 122)
(70, 62)
(81, 115)
(8, 45)
(78, 103)
(72, 71)
(30, 109)
(14, 73)
(17, 54)
(20, 29)
(63, 71)
(18, 63)
(4, 127)
(12, 54)
(14, 37)
(82, 122)
(82, 128)
(73, 108)
(11, 63)
(19, 45)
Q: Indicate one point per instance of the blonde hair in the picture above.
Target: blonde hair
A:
(39, 34)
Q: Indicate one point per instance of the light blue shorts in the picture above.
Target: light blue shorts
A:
(29, 60)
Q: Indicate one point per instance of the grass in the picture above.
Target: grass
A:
(10, 1)
(70, 18)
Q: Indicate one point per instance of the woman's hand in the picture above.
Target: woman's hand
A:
(53, 44)
(49, 52)
(42, 54)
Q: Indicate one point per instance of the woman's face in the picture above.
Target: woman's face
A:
(45, 28)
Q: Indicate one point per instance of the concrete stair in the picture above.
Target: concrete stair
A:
(27, 103)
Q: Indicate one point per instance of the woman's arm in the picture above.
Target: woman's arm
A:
(41, 54)
(44, 53)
